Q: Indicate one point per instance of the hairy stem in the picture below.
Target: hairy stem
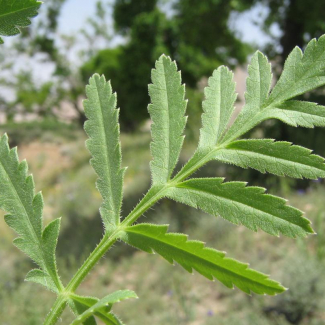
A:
(56, 310)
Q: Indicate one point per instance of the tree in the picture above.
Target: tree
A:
(197, 35)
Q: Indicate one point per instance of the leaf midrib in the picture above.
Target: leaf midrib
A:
(97, 313)
(32, 230)
(107, 157)
(277, 158)
(27, 215)
(273, 102)
(214, 196)
(269, 104)
(217, 106)
(167, 134)
(276, 109)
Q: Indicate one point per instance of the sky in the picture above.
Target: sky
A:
(75, 13)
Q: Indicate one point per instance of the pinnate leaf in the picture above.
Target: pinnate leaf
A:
(15, 14)
(276, 157)
(104, 145)
(242, 205)
(194, 255)
(25, 212)
(167, 111)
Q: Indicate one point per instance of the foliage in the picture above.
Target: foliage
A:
(25, 217)
(103, 130)
(16, 14)
(192, 254)
(125, 12)
(234, 201)
(100, 308)
(297, 20)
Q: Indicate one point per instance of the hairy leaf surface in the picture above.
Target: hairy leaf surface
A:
(167, 111)
(276, 157)
(15, 14)
(302, 72)
(258, 85)
(41, 277)
(25, 213)
(81, 304)
(102, 307)
(242, 205)
(104, 145)
(298, 113)
(194, 255)
(218, 106)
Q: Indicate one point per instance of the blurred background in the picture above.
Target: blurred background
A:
(43, 73)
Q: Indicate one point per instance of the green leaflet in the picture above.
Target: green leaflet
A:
(167, 111)
(258, 85)
(302, 72)
(15, 14)
(218, 106)
(104, 145)
(102, 307)
(298, 113)
(276, 157)
(240, 204)
(25, 214)
(41, 277)
(81, 304)
(193, 255)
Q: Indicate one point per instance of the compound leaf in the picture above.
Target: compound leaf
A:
(25, 214)
(15, 14)
(218, 106)
(103, 130)
(276, 157)
(242, 205)
(167, 111)
(192, 254)
(102, 307)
